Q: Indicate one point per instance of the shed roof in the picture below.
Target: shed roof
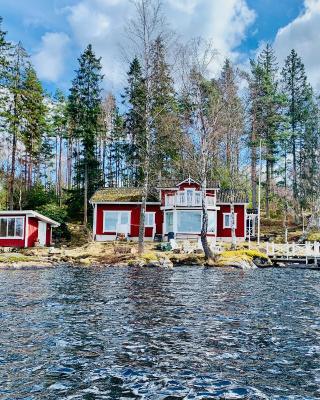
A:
(122, 195)
(30, 213)
(240, 196)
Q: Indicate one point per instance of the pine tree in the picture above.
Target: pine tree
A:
(15, 112)
(294, 82)
(232, 128)
(84, 109)
(270, 103)
(5, 47)
(135, 124)
(34, 126)
(166, 132)
(59, 127)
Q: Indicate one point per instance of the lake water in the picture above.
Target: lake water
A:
(187, 333)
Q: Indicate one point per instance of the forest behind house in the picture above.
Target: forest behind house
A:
(173, 118)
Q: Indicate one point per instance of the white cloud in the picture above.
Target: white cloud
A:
(225, 23)
(50, 58)
(87, 22)
(186, 6)
(103, 22)
(303, 35)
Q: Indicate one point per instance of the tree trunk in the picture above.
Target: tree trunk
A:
(254, 168)
(60, 172)
(69, 164)
(85, 204)
(13, 169)
(204, 226)
(268, 189)
(233, 223)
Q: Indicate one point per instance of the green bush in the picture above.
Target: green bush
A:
(59, 214)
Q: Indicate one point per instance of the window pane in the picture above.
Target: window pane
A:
(124, 218)
(211, 221)
(189, 221)
(149, 219)
(19, 227)
(110, 221)
(3, 227)
(169, 221)
(11, 226)
(227, 220)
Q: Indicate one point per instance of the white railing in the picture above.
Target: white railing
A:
(183, 199)
(289, 250)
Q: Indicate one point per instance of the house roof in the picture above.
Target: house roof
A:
(240, 196)
(122, 195)
(30, 213)
(172, 184)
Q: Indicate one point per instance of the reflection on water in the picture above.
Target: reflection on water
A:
(187, 333)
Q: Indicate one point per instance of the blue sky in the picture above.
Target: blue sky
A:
(55, 32)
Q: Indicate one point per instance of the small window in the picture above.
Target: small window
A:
(211, 221)
(227, 220)
(11, 227)
(149, 219)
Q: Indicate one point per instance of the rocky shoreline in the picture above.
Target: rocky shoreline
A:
(124, 255)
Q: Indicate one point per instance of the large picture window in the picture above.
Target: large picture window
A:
(112, 220)
(11, 227)
(189, 221)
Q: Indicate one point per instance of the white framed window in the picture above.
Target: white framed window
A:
(189, 221)
(211, 221)
(112, 219)
(149, 219)
(169, 221)
(227, 220)
(11, 227)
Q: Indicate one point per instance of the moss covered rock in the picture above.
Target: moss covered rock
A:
(244, 259)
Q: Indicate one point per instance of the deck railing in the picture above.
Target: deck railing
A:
(289, 250)
(183, 199)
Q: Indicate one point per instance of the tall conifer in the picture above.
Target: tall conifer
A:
(84, 108)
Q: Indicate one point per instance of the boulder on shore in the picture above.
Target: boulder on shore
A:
(244, 259)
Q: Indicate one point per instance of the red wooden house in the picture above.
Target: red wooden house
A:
(25, 228)
(174, 209)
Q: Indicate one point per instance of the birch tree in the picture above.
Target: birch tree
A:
(143, 30)
(232, 128)
(204, 106)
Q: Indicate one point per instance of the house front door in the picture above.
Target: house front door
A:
(42, 228)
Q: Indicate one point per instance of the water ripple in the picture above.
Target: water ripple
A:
(190, 333)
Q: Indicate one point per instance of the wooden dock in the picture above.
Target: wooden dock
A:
(294, 255)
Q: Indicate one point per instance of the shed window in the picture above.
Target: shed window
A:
(227, 220)
(113, 219)
(149, 219)
(11, 227)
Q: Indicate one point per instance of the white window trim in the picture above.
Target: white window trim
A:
(154, 219)
(235, 220)
(15, 218)
(115, 211)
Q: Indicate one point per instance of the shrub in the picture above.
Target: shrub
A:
(59, 214)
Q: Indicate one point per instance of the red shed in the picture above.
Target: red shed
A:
(175, 208)
(24, 228)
